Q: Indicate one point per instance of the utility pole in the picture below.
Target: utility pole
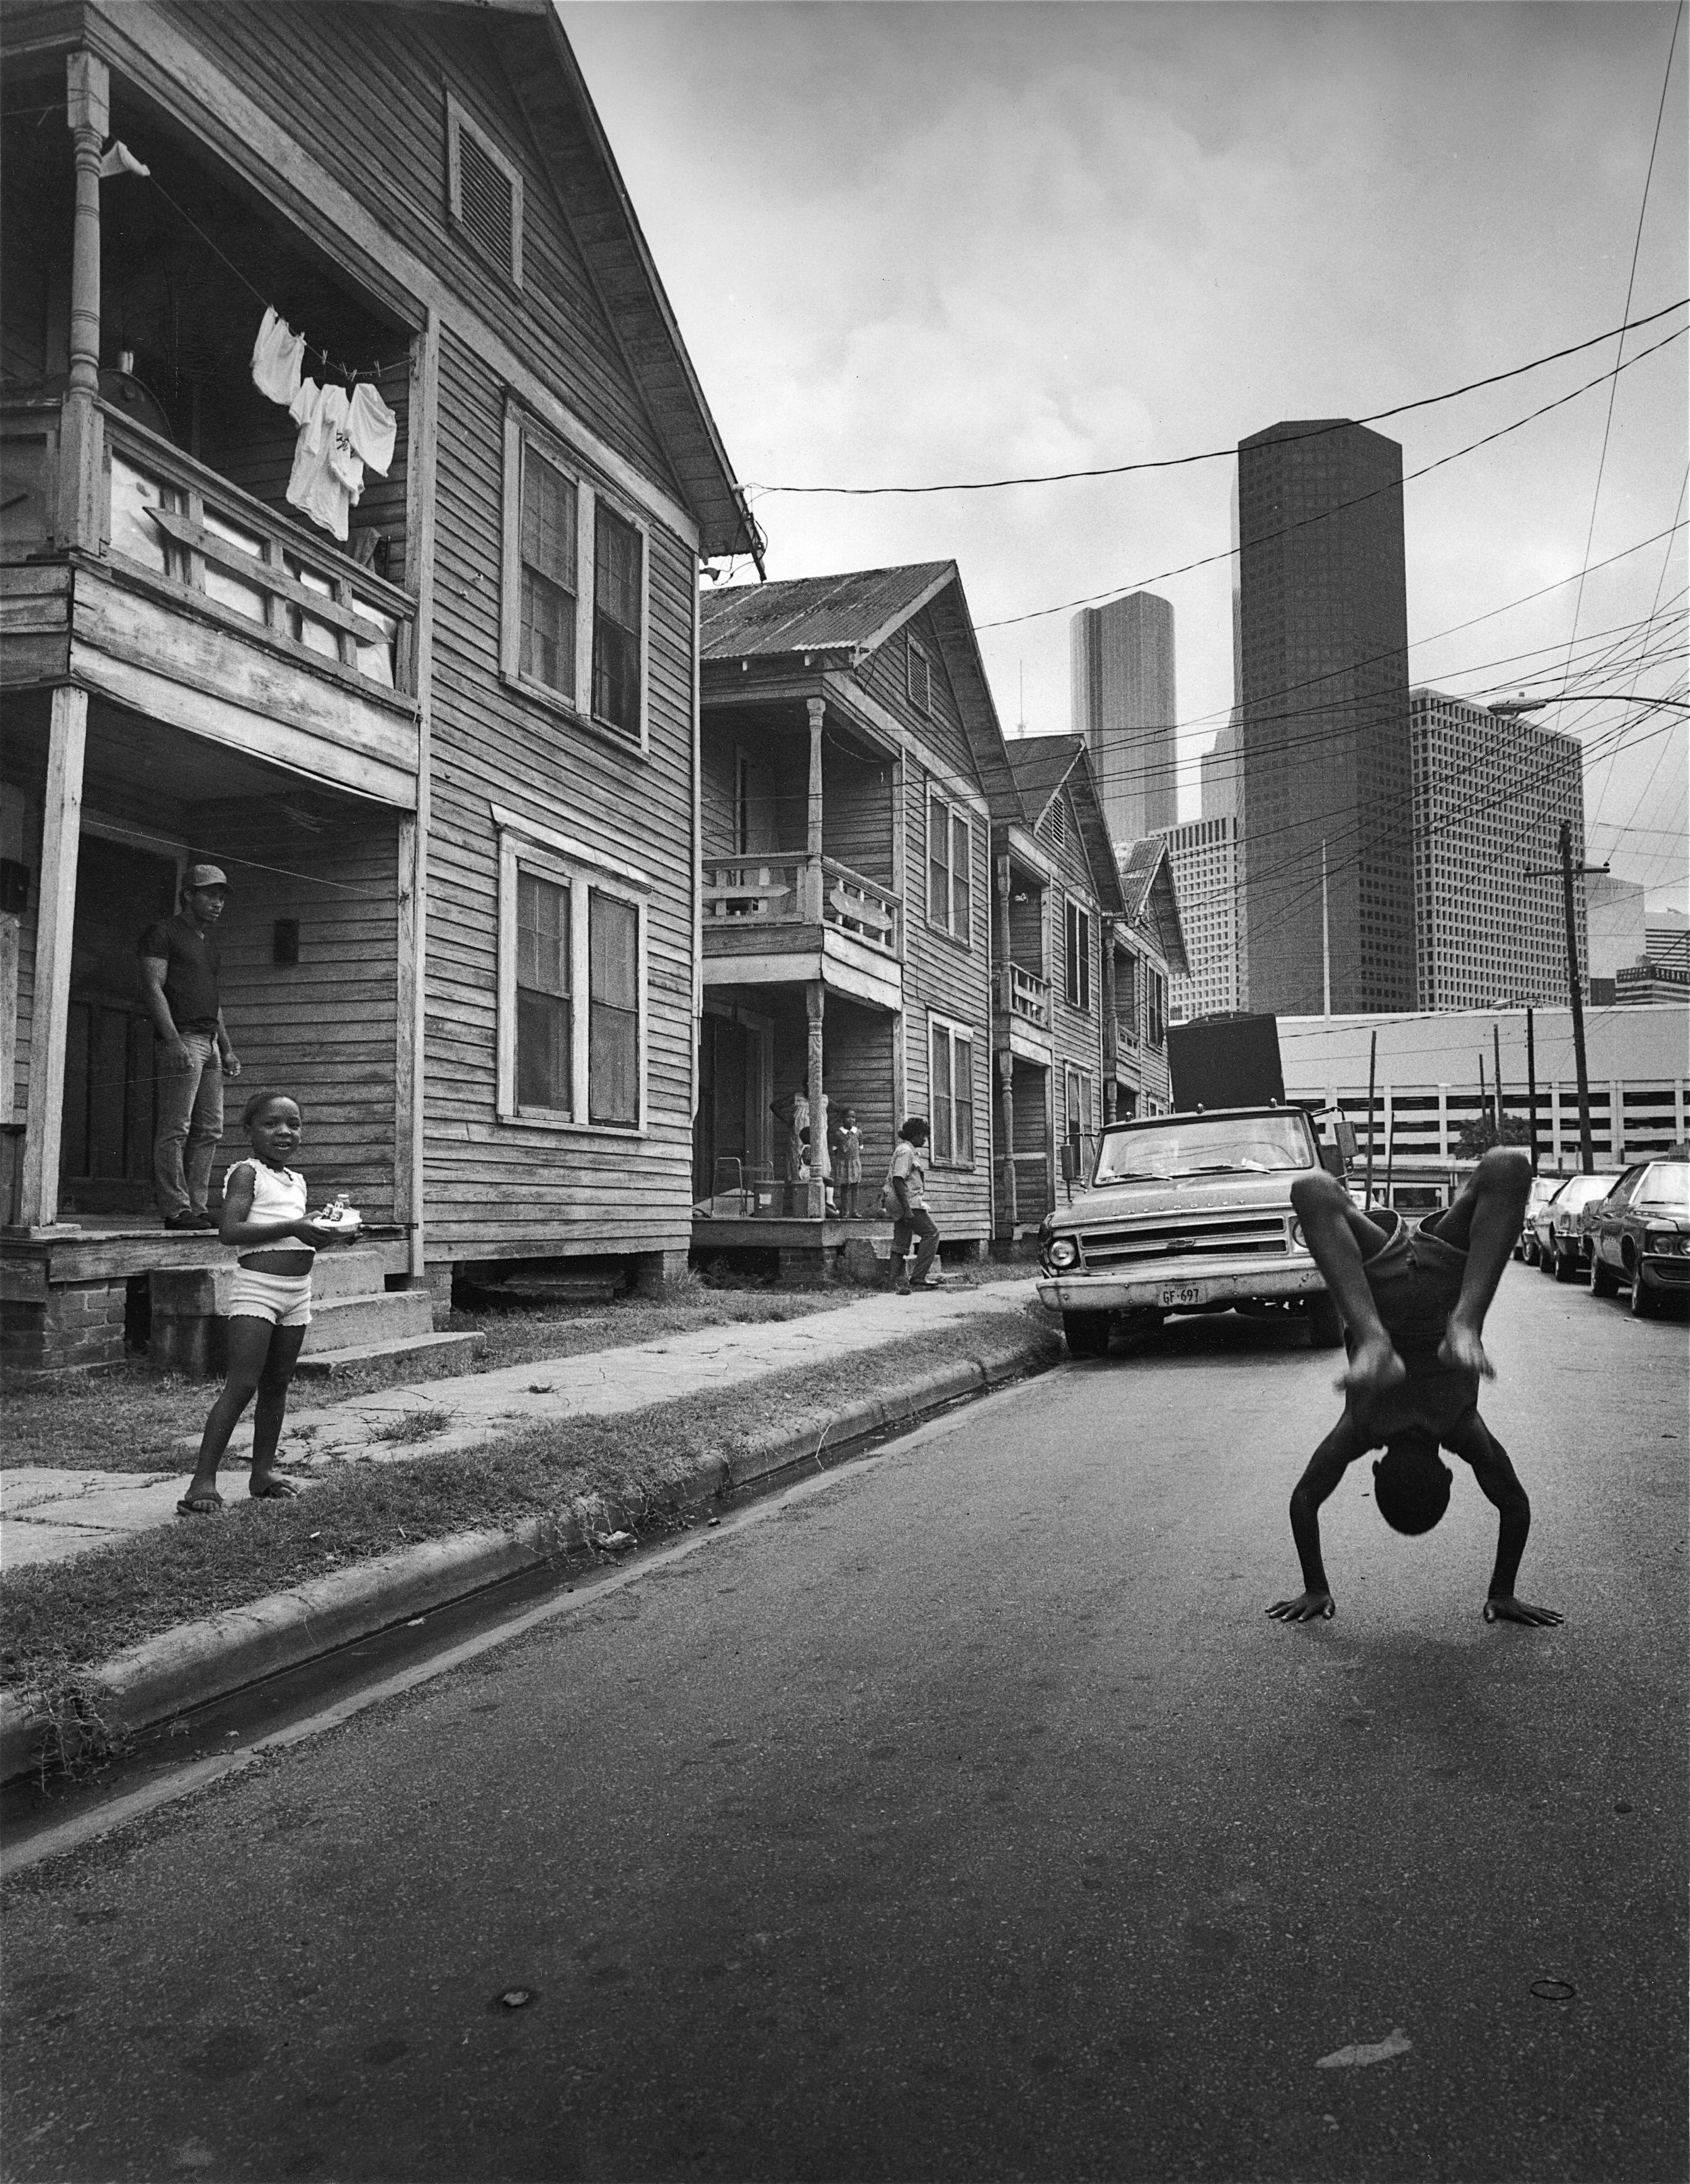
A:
(1586, 1152)
(1532, 1082)
(1496, 1051)
(1372, 1061)
(1325, 937)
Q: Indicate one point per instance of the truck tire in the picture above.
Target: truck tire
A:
(1325, 1323)
(1087, 1334)
(1603, 1282)
(1567, 1268)
(1643, 1302)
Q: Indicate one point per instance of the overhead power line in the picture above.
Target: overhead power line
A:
(1215, 455)
(1326, 515)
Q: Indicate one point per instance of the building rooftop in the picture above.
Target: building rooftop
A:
(854, 612)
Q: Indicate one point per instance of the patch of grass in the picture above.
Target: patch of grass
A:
(527, 1335)
(412, 1425)
(60, 1617)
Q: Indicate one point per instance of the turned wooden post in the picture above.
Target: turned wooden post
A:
(813, 846)
(1006, 1072)
(88, 113)
(61, 834)
(815, 1000)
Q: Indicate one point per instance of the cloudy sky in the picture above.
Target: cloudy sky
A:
(919, 244)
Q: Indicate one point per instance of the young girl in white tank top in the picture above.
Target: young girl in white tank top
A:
(269, 1304)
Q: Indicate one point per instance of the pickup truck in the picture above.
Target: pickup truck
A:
(1188, 1212)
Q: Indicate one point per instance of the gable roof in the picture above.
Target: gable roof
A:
(1146, 875)
(1039, 767)
(548, 89)
(854, 613)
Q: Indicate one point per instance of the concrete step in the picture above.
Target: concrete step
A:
(390, 1364)
(360, 1272)
(337, 1322)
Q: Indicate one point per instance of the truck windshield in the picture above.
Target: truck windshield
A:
(1201, 1144)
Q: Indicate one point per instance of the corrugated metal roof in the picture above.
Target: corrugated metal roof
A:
(1040, 765)
(814, 614)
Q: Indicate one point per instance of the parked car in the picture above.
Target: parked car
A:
(1544, 1189)
(1640, 1236)
(1561, 1232)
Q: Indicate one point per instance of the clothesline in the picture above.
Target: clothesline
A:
(352, 373)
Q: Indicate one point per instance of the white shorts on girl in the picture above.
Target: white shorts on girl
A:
(284, 1300)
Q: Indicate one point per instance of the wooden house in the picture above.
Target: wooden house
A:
(449, 759)
(1057, 899)
(1144, 947)
(849, 743)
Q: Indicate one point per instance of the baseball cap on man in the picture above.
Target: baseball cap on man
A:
(204, 876)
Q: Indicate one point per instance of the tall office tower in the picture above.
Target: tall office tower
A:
(1205, 856)
(1122, 680)
(1218, 773)
(1490, 795)
(1327, 870)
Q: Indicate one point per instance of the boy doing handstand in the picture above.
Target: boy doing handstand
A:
(1414, 1307)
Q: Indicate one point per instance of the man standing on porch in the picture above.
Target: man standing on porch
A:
(179, 965)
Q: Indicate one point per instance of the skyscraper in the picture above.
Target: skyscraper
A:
(1490, 795)
(1203, 855)
(1122, 680)
(1324, 776)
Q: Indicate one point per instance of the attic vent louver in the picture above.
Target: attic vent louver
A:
(485, 194)
(918, 678)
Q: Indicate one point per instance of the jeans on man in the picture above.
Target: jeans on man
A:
(189, 1123)
(919, 1221)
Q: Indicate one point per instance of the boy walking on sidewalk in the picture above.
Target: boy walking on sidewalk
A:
(1413, 1308)
(905, 1198)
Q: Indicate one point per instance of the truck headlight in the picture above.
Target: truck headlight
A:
(1064, 1252)
(1660, 1239)
(1296, 1244)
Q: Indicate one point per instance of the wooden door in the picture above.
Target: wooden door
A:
(722, 1131)
(106, 1156)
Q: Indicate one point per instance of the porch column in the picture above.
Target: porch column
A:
(61, 827)
(815, 998)
(813, 846)
(88, 113)
(1000, 955)
(1111, 1037)
(1006, 1072)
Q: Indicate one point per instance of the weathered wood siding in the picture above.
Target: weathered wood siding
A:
(364, 96)
(1078, 1034)
(858, 1047)
(322, 1029)
(512, 1189)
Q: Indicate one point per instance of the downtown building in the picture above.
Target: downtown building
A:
(1322, 772)
(1490, 792)
(1203, 857)
(1121, 680)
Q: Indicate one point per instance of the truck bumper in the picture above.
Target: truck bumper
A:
(1168, 1290)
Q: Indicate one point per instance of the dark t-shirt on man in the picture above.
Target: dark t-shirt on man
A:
(191, 981)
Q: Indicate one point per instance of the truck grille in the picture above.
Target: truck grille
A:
(1221, 1236)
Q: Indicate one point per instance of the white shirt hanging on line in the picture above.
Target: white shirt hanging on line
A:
(276, 355)
(338, 435)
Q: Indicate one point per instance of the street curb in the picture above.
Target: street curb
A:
(198, 1662)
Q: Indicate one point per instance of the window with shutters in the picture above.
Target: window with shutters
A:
(1077, 953)
(950, 1094)
(950, 869)
(572, 987)
(483, 193)
(573, 615)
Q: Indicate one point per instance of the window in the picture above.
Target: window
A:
(1078, 954)
(571, 1027)
(918, 677)
(951, 1094)
(1079, 1092)
(574, 610)
(1156, 1001)
(950, 870)
(483, 193)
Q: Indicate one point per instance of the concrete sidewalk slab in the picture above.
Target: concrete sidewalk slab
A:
(53, 1516)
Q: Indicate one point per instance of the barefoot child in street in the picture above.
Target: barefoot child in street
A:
(270, 1308)
(1413, 1308)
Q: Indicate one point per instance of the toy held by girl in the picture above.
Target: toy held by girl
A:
(270, 1306)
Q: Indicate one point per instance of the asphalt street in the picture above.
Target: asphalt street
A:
(962, 1814)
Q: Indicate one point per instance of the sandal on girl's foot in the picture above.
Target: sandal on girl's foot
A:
(272, 1490)
(203, 1504)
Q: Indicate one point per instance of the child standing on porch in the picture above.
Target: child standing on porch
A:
(270, 1309)
(848, 1161)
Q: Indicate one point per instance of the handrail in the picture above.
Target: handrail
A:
(869, 913)
(1028, 996)
(187, 470)
(170, 515)
(756, 890)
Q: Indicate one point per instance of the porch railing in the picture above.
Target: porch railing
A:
(181, 523)
(1025, 996)
(801, 891)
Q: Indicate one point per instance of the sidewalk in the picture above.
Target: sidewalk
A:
(55, 1516)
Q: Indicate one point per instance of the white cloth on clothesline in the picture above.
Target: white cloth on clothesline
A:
(276, 356)
(338, 435)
